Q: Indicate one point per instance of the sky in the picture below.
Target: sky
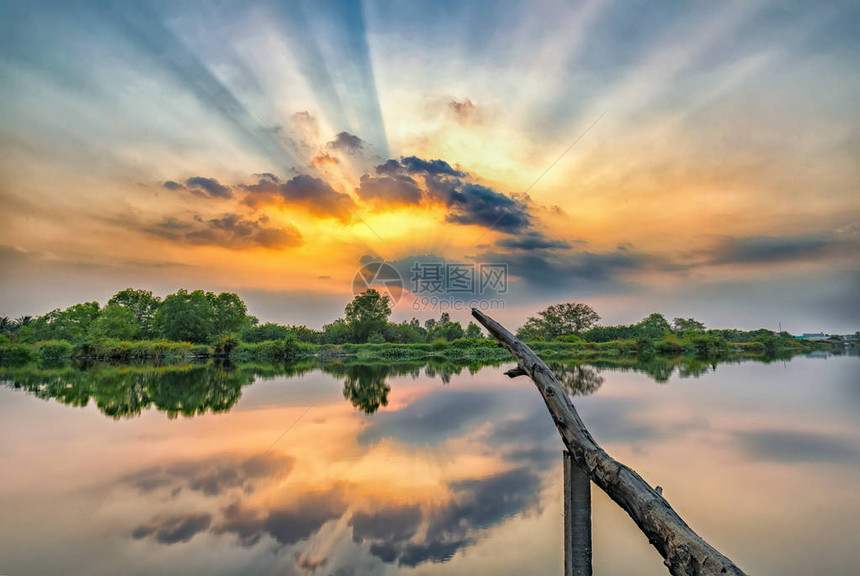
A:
(697, 159)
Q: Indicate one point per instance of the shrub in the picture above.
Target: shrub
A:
(54, 350)
(226, 345)
(17, 354)
(570, 338)
(708, 346)
(283, 349)
(670, 344)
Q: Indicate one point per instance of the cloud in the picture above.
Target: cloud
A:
(796, 446)
(390, 167)
(482, 206)
(464, 111)
(391, 524)
(228, 231)
(171, 185)
(208, 187)
(468, 203)
(324, 159)
(313, 194)
(548, 271)
(174, 529)
(286, 525)
(532, 240)
(414, 164)
(211, 476)
(346, 142)
(269, 176)
(431, 418)
(202, 186)
(396, 190)
(475, 505)
(767, 249)
(307, 126)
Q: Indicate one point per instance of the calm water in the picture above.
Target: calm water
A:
(424, 470)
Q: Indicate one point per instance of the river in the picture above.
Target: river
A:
(411, 469)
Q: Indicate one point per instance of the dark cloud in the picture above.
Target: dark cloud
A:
(396, 190)
(171, 185)
(475, 505)
(212, 476)
(228, 231)
(268, 176)
(173, 529)
(389, 167)
(208, 187)
(546, 271)
(795, 446)
(346, 142)
(416, 165)
(313, 194)
(389, 524)
(413, 164)
(286, 525)
(764, 249)
(482, 206)
(532, 240)
(479, 504)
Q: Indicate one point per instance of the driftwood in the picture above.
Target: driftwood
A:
(685, 553)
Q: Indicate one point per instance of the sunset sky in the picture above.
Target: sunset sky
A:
(691, 158)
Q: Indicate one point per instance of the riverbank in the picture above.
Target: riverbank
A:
(700, 346)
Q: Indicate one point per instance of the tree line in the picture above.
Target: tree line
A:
(198, 317)
(202, 317)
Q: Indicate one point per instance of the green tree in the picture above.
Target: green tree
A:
(338, 332)
(687, 324)
(143, 306)
(185, 317)
(654, 326)
(72, 324)
(559, 320)
(367, 313)
(473, 331)
(115, 321)
(230, 315)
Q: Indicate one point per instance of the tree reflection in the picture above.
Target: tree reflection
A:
(365, 387)
(123, 391)
(577, 379)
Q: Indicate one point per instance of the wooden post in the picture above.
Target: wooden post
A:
(685, 553)
(577, 519)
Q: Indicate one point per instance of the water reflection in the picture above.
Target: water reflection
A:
(124, 390)
(443, 467)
